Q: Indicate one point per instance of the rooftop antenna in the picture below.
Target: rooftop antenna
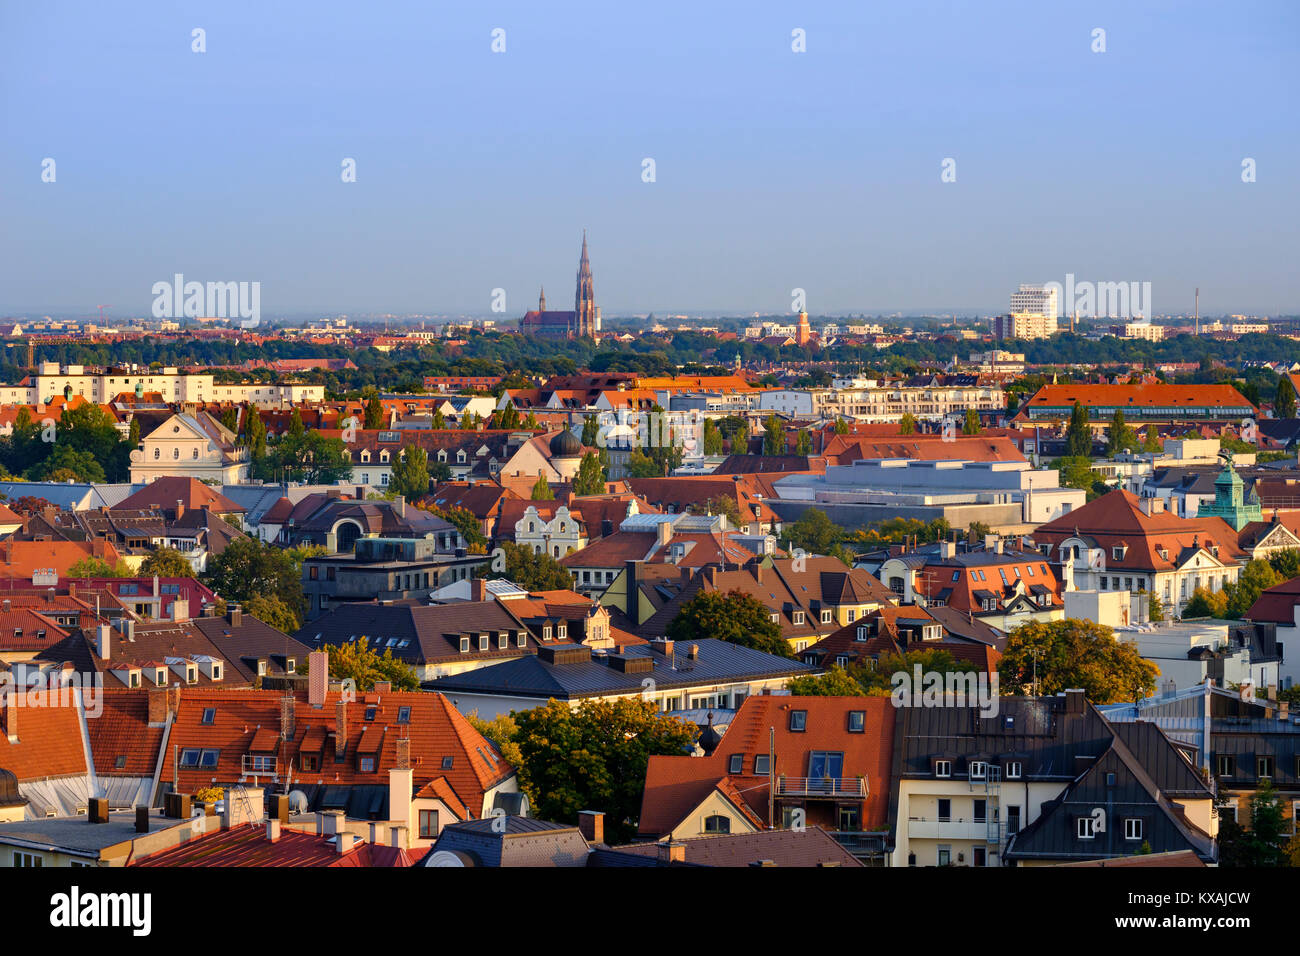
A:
(101, 312)
(1198, 310)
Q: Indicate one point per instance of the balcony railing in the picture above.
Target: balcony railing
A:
(826, 787)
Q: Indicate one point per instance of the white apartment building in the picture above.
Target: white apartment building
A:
(1024, 325)
(100, 387)
(869, 401)
(1036, 300)
(1145, 331)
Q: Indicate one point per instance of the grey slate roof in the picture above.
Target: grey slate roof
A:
(718, 661)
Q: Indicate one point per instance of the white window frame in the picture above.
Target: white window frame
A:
(1132, 828)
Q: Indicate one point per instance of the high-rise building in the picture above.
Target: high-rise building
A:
(1024, 325)
(1035, 300)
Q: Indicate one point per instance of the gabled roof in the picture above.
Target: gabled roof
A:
(163, 493)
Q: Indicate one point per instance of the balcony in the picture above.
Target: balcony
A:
(825, 788)
(946, 828)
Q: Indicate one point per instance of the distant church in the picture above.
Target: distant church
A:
(582, 322)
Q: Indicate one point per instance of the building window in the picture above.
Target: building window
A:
(27, 860)
(717, 823)
(1263, 767)
(943, 856)
(1085, 829)
(826, 617)
(857, 721)
(762, 765)
(428, 824)
(1132, 828)
(798, 721)
(367, 765)
(447, 761)
(1013, 770)
(943, 768)
(978, 769)
(209, 715)
(1225, 765)
(737, 764)
(464, 645)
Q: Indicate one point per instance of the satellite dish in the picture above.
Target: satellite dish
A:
(297, 802)
(450, 858)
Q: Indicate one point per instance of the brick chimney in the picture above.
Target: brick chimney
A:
(340, 729)
(318, 677)
(180, 610)
(478, 589)
(235, 615)
(665, 532)
(591, 824)
(672, 851)
(273, 830)
(180, 509)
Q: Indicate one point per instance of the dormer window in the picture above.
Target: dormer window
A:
(562, 631)
(290, 666)
(826, 617)
(798, 617)
(943, 768)
(546, 633)
(1014, 769)
(482, 642)
(521, 639)
(978, 769)
(464, 645)
(862, 632)
(1119, 551)
(776, 618)
(191, 674)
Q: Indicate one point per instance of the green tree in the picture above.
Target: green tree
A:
(439, 421)
(841, 426)
(410, 473)
(67, 463)
(375, 417)
(356, 661)
(1151, 441)
(1285, 403)
(1119, 437)
(590, 479)
(98, 568)
(273, 611)
(814, 532)
(735, 616)
(803, 443)
(971, 426)
(1155, 607)
(773, 436)
(593, 757)
(529, 570)
(542, 490)
(310, 457)
(1078, 437)
(720, 505)
(247, 568)
(465, 523)
(167, 563)
(1074, 653)
(712, 439)
(1286, 563)
(836, 682)
(1256, 577)
(907, 424)
(1206, 603)
(507, 418)
(590, 431)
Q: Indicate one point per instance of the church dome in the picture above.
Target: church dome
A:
(566, 445)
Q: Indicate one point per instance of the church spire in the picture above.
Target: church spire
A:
(584, 304)
(541, 300)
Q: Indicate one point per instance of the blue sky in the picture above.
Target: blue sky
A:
(774, 170)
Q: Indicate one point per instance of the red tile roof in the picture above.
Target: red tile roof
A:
(676, 785)
(247, 845)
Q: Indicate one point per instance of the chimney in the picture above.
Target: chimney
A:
(478, 589)
(344, 841)
(672, 851)
(318, 677)
(180, 610)
(141, 819)
(591, 824)
(235, 615)
(397, 837)
(176, 806)
(403, 755)
(280, 807)
(665, 532)
(383, 687)
(155, 585)
(273, 830)
(160, 705)
(340, 729)
(401, 787)
(103, 640)
(331, 822)
(180, 509)
(399, 505)
(97, 811)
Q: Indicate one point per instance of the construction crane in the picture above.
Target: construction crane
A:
(101, 312)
